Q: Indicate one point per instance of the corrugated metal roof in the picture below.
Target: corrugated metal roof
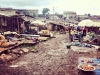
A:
(8, 13)
(27, 18)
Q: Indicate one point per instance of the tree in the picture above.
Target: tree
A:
(89, 15)
(35, 14)
(45, 10)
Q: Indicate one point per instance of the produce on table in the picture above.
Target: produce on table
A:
(87, 67)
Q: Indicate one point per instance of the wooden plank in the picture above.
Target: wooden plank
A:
(19, 43)
(18, 24)
(28, 41)
(10, 47)
(42, 38)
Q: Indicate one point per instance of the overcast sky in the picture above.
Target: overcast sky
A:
(79, 6)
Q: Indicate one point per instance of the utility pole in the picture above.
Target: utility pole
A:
(53, 10)
(0, 7)
(53, 13)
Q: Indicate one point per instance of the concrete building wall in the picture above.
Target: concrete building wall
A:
(33, 12)
(70, 15)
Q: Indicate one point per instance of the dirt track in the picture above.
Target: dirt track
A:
(53, 58)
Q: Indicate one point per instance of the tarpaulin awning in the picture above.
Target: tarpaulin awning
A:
(96, 24)
(38, 23)
(8, 13)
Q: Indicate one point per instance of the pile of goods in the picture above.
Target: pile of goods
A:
(5, 43)
(46, 33)
(85, 66)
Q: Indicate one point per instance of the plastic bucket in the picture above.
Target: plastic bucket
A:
(68, 47)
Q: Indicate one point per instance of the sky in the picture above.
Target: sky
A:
(81, 7)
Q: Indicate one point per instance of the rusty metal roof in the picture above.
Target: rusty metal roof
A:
(8, 13)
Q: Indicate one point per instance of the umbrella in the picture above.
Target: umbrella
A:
(38, 23)
(72, 25)
(96, 24)
(87, 23)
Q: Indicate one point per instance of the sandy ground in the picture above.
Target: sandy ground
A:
(53, 58)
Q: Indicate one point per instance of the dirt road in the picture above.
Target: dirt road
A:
(53, 58)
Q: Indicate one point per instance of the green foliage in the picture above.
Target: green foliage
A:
(89, 15)
(45, 10)
(28, 45)
(55, 32)
(33, 47)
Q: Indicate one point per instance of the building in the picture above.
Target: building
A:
(33, 13)
(95, 17)
(11, 21)
(6, 9)
(69, 15)
(82, 17)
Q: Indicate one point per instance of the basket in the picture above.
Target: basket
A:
(79, 67)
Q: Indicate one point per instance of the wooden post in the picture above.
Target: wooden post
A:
(0, 22)
(10, 23)
(18, 24)
(6, 21)
(14, 23)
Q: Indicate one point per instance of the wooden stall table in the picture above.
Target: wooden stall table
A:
(28, 35)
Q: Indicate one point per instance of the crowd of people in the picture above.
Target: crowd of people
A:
(80, 32)
(75, 33)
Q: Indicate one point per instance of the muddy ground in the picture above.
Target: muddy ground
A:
(53, 58)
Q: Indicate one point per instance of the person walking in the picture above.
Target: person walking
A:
(72, 32)
(80, 36)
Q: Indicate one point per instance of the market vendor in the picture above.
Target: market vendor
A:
(92, 34)
(93, 37)
(80, 37)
